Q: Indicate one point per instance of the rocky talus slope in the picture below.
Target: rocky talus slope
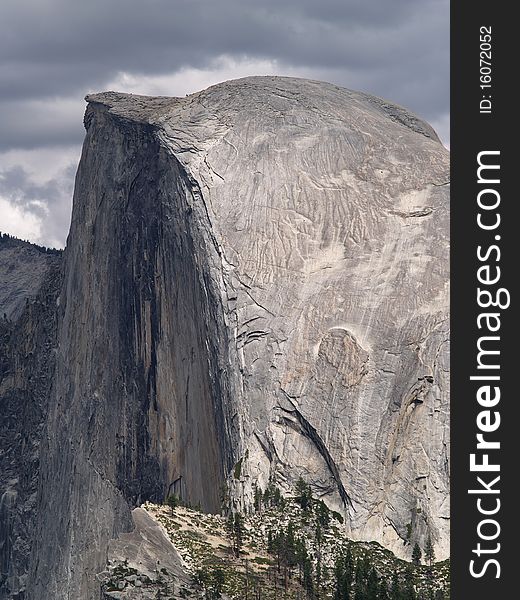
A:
(254, 289)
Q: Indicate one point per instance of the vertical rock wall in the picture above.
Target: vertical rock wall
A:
(139, 398)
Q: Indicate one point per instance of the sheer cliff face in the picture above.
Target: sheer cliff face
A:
(140, 388)
(255, 288)
(30, 283)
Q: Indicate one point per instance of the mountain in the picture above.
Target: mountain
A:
(254, 290)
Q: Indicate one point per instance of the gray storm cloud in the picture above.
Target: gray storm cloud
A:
(53, 52)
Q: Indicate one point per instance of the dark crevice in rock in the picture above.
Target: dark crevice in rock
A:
(310, 432)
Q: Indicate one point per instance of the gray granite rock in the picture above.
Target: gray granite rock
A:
(23, 269)
(30, 284)
(153, 562)
(256, 275)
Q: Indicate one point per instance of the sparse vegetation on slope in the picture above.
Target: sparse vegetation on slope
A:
(292, 549)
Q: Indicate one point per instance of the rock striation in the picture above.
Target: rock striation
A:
(254, 289)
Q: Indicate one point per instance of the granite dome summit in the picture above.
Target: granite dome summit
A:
(254, 289)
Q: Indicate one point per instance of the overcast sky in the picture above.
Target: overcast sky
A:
(53, 52)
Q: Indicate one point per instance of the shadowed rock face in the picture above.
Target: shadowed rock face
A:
(255, 274)
(30, 284)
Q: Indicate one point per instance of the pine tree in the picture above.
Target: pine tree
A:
(217, 583)
(343, 575)
(303, 494)
(258, 500)
(270, 542)
(362, 569)
(238, 530)
(319, 574)
(323, 514)
(361, 578)
(308, 582)
(383, 590)
(360, 592)
(318, 536)
(372, 588)
(301, 557)
(235, 530)
(340, 591)
(290, 546)
(395, 589)
(172, 501)
(230, 528)
(429, 551)
(349, 565)
(408, 592)
(278, 541)
(416, 554)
